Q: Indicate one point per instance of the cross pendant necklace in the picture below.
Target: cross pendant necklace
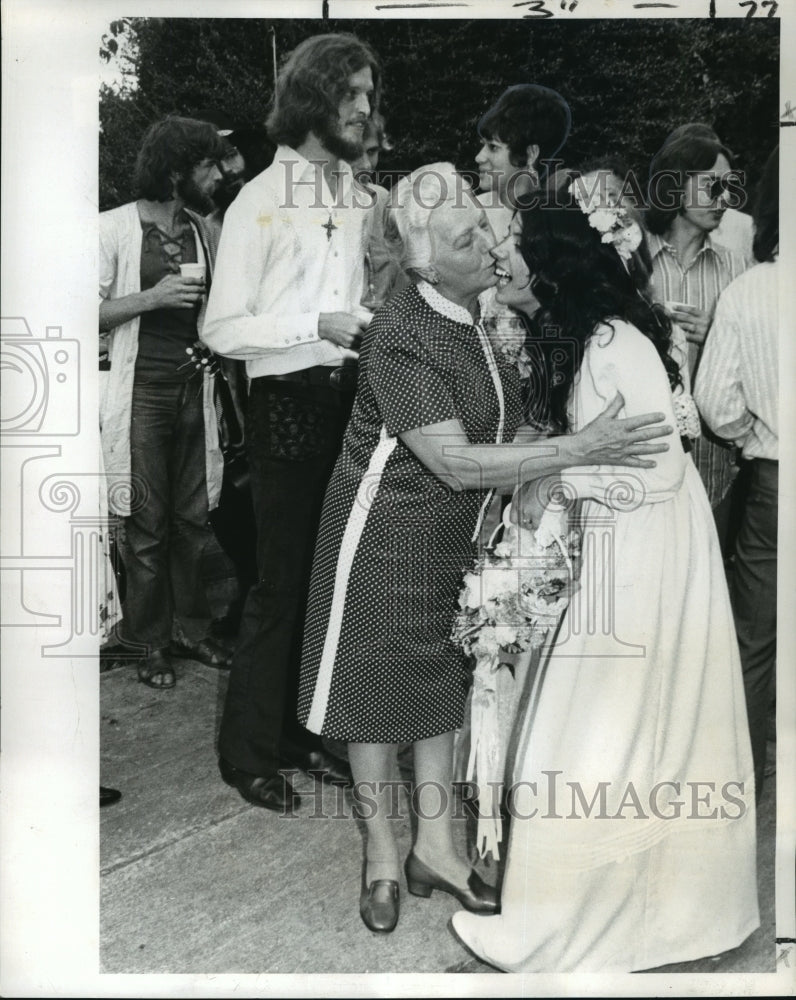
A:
(329, 227)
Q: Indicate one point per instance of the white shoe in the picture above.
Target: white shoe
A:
(475, 932)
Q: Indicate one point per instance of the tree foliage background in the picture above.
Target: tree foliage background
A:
(628, 83)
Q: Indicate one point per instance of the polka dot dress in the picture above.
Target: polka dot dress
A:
(378, 665)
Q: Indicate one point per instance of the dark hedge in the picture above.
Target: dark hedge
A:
(628, 82)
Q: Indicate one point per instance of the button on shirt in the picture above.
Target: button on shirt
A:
(736, 389)
(700, 285)
(289, 251)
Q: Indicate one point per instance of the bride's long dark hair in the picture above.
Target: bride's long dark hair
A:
(580, 283)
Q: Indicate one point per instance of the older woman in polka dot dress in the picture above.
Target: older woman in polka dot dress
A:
(427, 443)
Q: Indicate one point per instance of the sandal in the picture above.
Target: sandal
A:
(156, 671)
(205, 651)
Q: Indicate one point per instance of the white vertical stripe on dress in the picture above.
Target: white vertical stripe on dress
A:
(493, 371)
(357, 518)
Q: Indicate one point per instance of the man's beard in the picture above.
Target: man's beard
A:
(337, 144)
(194, 197)
(227, 192)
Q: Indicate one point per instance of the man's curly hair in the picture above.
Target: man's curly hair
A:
(314, 81)
(173, 146)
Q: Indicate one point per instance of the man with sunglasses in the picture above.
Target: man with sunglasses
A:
(735, 231)
(690, 186)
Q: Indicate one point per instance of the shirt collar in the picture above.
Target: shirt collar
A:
(298, 168)
(657, 244)
(444, 306)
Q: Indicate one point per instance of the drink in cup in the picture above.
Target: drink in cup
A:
(671, 307)
(193, 271)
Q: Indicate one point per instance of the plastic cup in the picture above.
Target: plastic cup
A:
(672, 306)
(193, 271)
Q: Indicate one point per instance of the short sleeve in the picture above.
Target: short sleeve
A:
(410, 388)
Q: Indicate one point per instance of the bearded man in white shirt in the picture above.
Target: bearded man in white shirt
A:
(286, 298)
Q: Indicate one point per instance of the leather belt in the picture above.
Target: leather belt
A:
(343, 379)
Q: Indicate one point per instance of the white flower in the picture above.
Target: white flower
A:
(633, 236)
(514, 596)
(627, 240)
(549, 527)
(580, 197)
(505, 635)
(470, 597)
(487, 645)
(603, 219)
(495, 581)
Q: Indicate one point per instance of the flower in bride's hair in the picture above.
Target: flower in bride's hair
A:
(603, 220)
(578, 194)
(612, 220)
(627, 240)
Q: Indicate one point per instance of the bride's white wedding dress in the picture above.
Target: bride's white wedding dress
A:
(632, 841)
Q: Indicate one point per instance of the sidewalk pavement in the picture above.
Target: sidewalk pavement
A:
(195, 880)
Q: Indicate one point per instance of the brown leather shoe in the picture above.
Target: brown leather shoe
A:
(109, 795)
(379, 905)
(319, 764)
(478, 897)
(273, 792)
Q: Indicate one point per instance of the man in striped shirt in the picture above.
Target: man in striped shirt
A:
(737, 393)
(689, 181)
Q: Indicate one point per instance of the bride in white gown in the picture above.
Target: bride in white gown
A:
(633, 821)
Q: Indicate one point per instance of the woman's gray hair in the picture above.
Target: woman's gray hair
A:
(412, 200)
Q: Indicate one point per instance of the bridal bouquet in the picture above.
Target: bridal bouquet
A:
(511, 599)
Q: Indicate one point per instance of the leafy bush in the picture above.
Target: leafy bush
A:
(628, 82)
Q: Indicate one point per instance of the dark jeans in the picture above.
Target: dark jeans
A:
(236, 531)
(728, 513)
(163, 539)
(294, 435)
(754, 599)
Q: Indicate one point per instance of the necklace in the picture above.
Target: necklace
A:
(329, 227)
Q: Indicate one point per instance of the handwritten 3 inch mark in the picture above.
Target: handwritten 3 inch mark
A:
(540, 8)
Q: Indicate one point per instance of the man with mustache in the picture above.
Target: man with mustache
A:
(157, 418)
(285, 297)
